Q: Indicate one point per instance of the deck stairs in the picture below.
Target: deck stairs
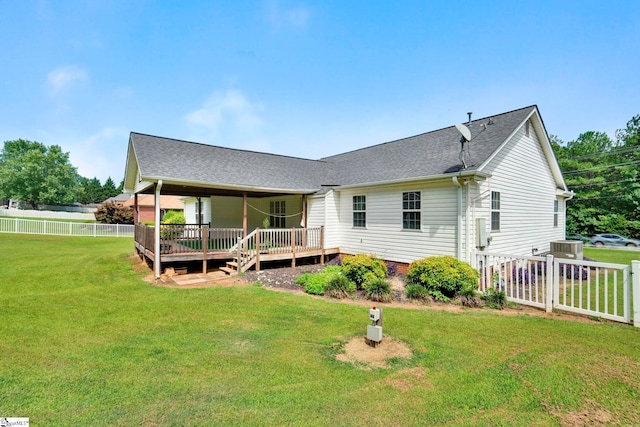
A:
(243, 256)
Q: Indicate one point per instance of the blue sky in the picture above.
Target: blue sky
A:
(303, 78)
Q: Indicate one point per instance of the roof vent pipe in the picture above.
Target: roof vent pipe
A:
(469, 114)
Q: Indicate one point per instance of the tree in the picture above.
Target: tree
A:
(113, 213)
(90, 191)
(109, 189)
(606, 178)
(37, 174)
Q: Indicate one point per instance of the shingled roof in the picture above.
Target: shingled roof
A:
(426, 155)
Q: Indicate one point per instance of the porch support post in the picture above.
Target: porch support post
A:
(304, 211)
(205, 245)
(156, 256)
(136, 214)
(244, 214)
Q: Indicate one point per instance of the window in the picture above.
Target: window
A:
(199, 215)
(411, 210)
(555, 213)
(277, 219)
(495, 211)
(359, 211)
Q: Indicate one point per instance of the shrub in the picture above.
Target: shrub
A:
(442, 276)
(316, 283)
(172, 225)
(416, 292)
(378, 290)
(112, 213)
(362, 268)
(339, 287)
(494, 298)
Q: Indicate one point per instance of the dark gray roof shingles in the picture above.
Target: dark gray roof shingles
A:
(424, 155)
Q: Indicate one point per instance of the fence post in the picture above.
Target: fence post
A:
(16, 225)
(94, 229)
(549, 287)
(70, 229)
(635, 291)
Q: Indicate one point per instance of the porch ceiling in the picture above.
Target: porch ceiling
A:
(194, 191)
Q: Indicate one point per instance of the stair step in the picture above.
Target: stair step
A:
(228, 270)
(233, 264)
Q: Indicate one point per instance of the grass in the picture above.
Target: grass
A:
(84, 341)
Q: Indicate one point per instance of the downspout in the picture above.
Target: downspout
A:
(459, 226)
(156, 249)
(468, 223)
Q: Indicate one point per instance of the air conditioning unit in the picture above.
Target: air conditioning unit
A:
(568, 249)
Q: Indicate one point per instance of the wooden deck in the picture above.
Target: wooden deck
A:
(195, 243)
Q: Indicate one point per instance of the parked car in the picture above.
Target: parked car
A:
(577, 236)
(613, 240)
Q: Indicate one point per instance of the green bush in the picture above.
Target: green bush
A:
(172, 225)
(494, 299)
(416, 292)
(443, 277)
(316, 283)
(340, 287)
(378, 290)
(362, 269)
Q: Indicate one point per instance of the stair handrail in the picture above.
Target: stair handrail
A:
(242, 241)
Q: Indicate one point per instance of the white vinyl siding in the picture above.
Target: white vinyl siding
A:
(315, 211)
(384, 235)
(191, 210)
(521, 174)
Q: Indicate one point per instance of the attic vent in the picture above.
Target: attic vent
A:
(527, 131)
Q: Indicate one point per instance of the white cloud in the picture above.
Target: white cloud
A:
(228, 111)
(283, 17)
(101, 154)
(64, 77)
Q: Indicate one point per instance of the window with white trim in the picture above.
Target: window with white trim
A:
(359, 211)
(555, 213)
(277, 211)
(411, 212)
(495, 211)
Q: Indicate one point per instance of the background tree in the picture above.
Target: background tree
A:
(109, 189)
(605, 177)
(90, 191)
(37, 174)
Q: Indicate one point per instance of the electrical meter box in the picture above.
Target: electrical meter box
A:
(374, 333)
(374, 314)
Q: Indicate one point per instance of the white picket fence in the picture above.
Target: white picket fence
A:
(30, 226)
(603, 290)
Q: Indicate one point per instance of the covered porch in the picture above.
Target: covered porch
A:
(193, 242)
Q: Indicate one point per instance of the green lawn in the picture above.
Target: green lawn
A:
(84, 341)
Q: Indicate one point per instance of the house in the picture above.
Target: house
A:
(403, 200)
(144, 211)
(119, 199)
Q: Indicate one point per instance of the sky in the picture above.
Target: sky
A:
(305, 78)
